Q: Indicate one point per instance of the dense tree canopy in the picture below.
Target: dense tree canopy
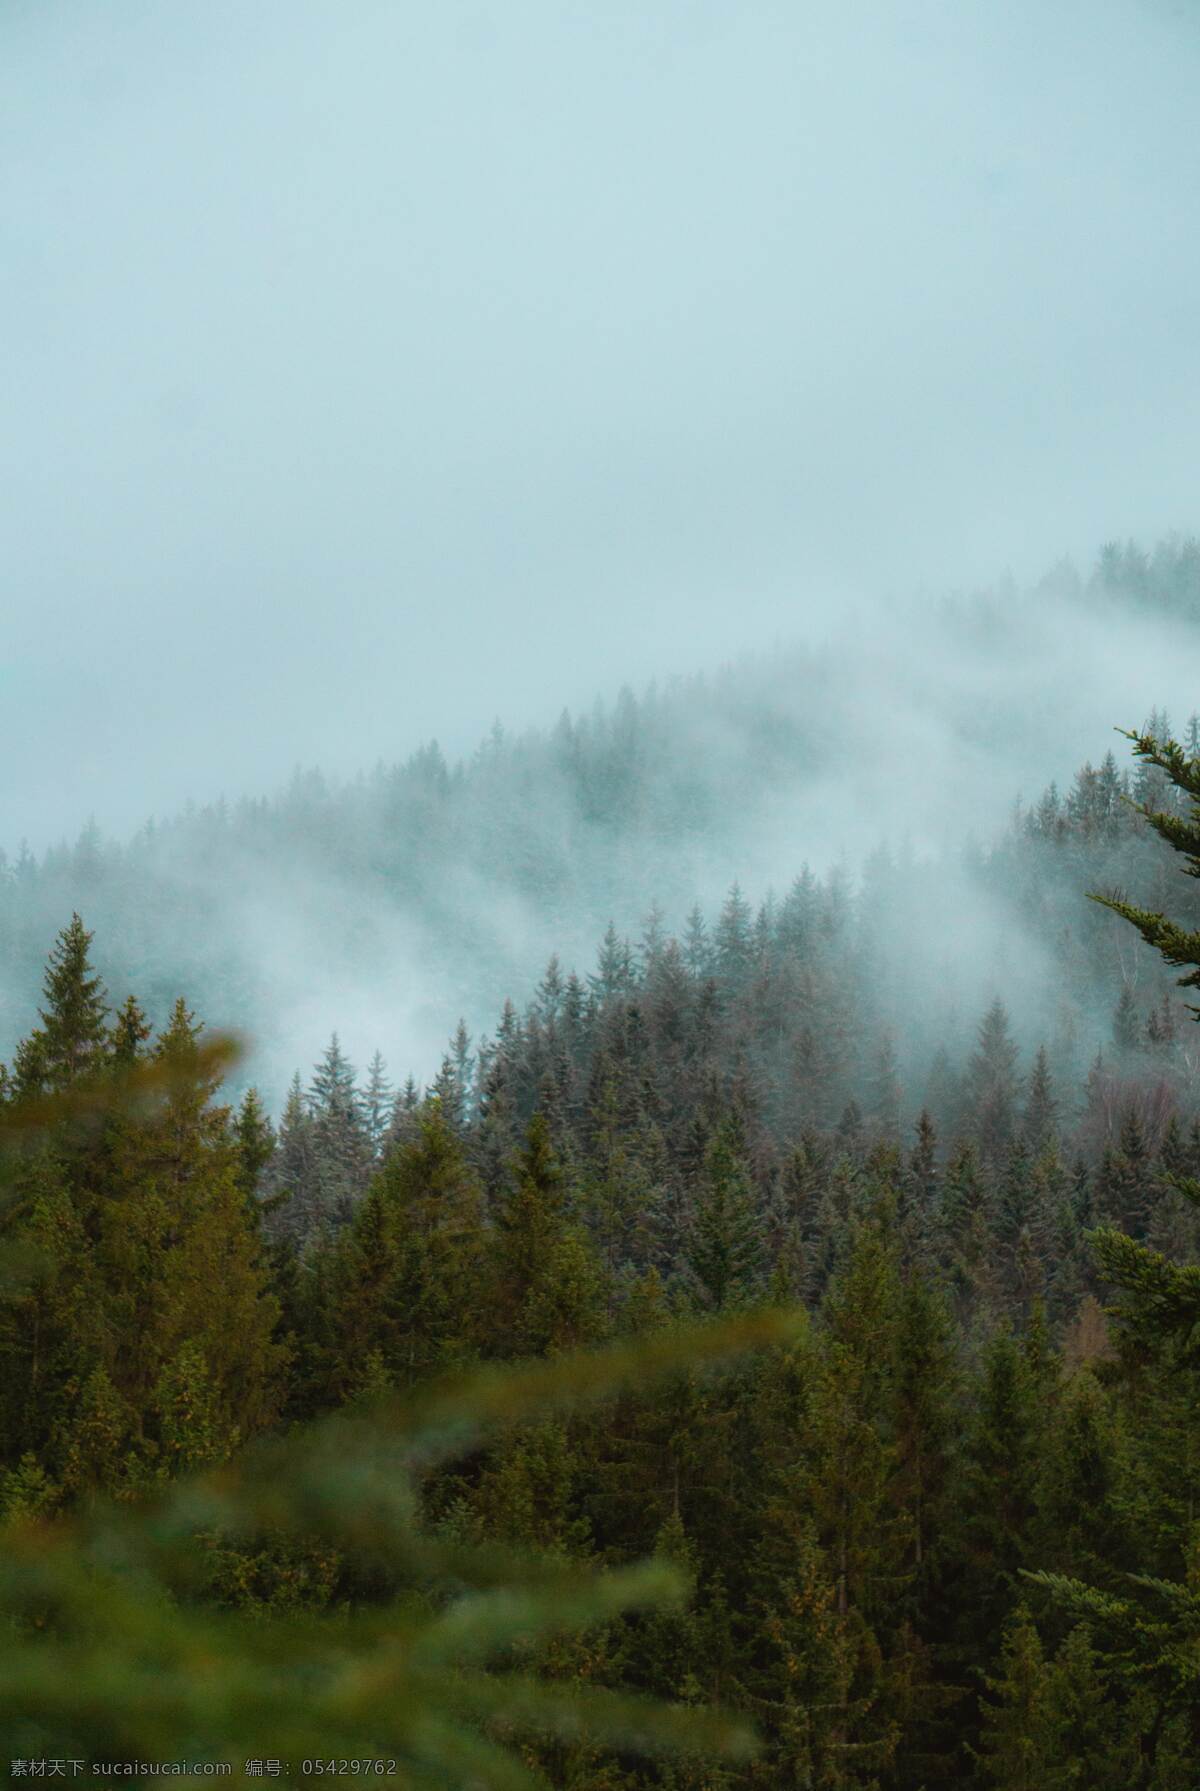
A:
(941, 1531)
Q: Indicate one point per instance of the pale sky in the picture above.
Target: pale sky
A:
(372, 370)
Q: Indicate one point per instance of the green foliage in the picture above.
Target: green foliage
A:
(486, 1546)
(1149, 1626)
(725, 1249)
(116, 1649)
(295, 1593)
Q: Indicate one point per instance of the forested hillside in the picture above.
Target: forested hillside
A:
(944, 1535)
(429, 888)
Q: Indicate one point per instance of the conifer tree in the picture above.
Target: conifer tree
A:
(992, 1085)
(1018, 1751)
(549, 1291)
(731, 940)
(146, 1243)
(292, 1183)
(884, 1093)
(922, 1167)
(697, 952)
(254, 1137)
(130, 1032)
(997, 1519)
(923, 1396)
(1126, 1025)
(614, 967)
(404, 1281)
(73, 1039)
(1124, 1188)
(1041, 1107)
(725, 1246)
(340, 1145)
(377, 1103)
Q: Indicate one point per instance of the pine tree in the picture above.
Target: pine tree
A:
(73, 1039)
(922, 1168)
(992, 1085)
(923, 1395)
(884, 1094)
(1094, 1735)
(254, 1137)
(1021, 1225)
(963, 1234)
(1018, 1751)
(146, 1242)
(1160, 1027)
(130, 1031)
(1041, 1107)
(614, 967)
(697, 952)
(1157, 1311)
(377, 1103)
(549, 1291)
(731, 941)
(1126, 1025)
(291, 1185)
(725, 1246)
(340, 1145)
(997, 1516)
(405, 1280)
(1125, 1185)
(549, 999)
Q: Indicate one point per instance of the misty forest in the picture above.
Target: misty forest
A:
(600, 894)
(853, 1227)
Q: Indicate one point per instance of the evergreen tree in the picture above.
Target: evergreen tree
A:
(614, 967)
(73, 1039)
(1018, 1750)
(404, 1281)
(697, 952)
(131, 1030)
(724, 1247)
(992, 1085)
(884, 1093)
(997, 1519)
(254, 1137)
(377, 1103)
(292, 1183)
(1126, 1025)
(340, 1143)
(1041, 1107)
(731, 941)
(1124, 1187)
(549, 1290)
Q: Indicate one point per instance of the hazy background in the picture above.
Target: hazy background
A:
(371, 370)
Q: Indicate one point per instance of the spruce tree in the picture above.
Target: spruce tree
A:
(292, 1184)
(73, 1039)
(377, 1103)
(1041, 1107)
(548, 1290)
(1017, 1751)
(992, 1085)
(725, 1242)
(341, 1148)
(1126, 1025)
(1153, 1627)
(405, 1280)
(254, 1137)
(130, 1032)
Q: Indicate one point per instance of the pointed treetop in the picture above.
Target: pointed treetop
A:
(73, 1037)
(130, 1031)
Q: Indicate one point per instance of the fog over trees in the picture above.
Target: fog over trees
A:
(888, 758)
(600, 894)
(939, 1107)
